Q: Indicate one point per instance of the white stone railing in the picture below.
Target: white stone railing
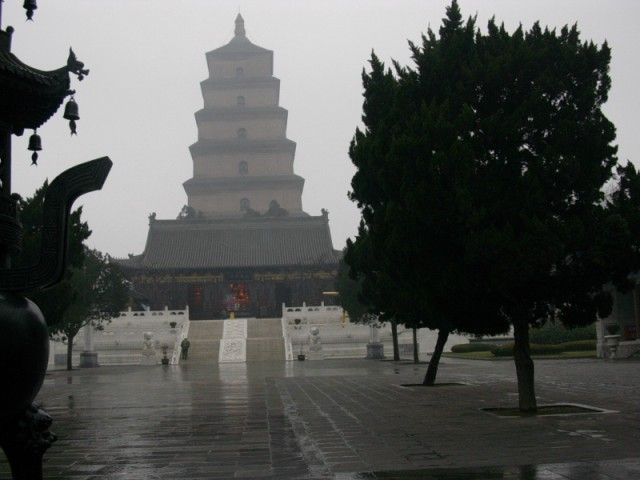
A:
(137, 314)
(313, 314)
(177, 348)
(121, 340)
(288, 350)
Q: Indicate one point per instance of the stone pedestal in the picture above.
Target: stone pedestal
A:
(375, 351)
(59, 359)
(315, 345)
(148, 350)
(89, 359)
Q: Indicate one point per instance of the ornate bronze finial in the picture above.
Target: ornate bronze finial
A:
(240, 31)
(75, 66)
(35, 145)
(30, 6)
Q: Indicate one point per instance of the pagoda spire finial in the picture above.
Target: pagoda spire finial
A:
(240, 31)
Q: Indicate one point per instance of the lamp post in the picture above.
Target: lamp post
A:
(29, 98)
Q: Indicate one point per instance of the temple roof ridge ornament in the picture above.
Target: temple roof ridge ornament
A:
(239, 44)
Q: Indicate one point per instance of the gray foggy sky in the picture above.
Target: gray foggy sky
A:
(147, 59)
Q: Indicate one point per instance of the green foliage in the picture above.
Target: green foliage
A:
(350, 290)
(480, 176)
(92, 289)
(555, 332)
(55, 300)
(537, 349)
(613, 329)
(472, 347)
(507, 350)
(100, 291)
(579, 346)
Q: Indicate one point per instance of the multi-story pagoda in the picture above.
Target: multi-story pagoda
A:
(242, 244)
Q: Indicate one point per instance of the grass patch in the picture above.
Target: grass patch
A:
(491, 357)
(471, 355)
(472, 347)
(545, 410)
(450, 384)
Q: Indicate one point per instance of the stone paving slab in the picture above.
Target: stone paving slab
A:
(337, 419)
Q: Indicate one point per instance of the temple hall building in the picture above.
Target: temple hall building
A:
(243, 244)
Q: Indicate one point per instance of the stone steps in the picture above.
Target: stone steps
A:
(205, 330)
(265, 349)
(264, 328)
(204, 336)
(264, 340)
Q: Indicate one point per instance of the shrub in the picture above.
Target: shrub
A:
(579, 346)
(505, 350)
(536, 349)
(472, 347)
(613, 329)
(554, 333)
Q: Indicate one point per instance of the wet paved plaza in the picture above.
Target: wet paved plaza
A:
(341, 419)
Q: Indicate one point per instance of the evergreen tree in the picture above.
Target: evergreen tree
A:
(481, 184)
(349, 291)
(55, 300)
(99, 292)
(92, 289)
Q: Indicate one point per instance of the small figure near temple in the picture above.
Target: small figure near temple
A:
(184, 349)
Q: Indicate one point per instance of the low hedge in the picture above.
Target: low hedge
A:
(555, 333)
(579, 346)
(472, 347)
(537, 349)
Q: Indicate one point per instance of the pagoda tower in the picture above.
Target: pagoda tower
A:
(243, 160)
(242, 246)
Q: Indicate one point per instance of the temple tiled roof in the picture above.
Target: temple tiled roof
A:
(32, 95)
(236, 243)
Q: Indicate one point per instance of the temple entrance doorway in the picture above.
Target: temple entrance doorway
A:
(196, 303)
(283, 295)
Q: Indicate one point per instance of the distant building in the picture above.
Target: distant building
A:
(243, 243)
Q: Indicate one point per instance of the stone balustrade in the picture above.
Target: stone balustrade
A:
(121, 341)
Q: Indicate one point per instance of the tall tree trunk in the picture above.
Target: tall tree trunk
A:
(70, 353)
(524, 366)
(434, 362)
(415, 346)
(394, 336)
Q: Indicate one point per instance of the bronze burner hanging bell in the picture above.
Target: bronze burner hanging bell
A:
(30, 6)
(72, 114)
(35, 145)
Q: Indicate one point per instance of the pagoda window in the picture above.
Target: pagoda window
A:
(242, 133)
(239, 72)
(243, 168)
(245, 204)
(240, 101)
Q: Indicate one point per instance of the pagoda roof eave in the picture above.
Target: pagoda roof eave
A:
(238, 45)
(229, 83)
(223, 113)
(240, 145)
(206, 185)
